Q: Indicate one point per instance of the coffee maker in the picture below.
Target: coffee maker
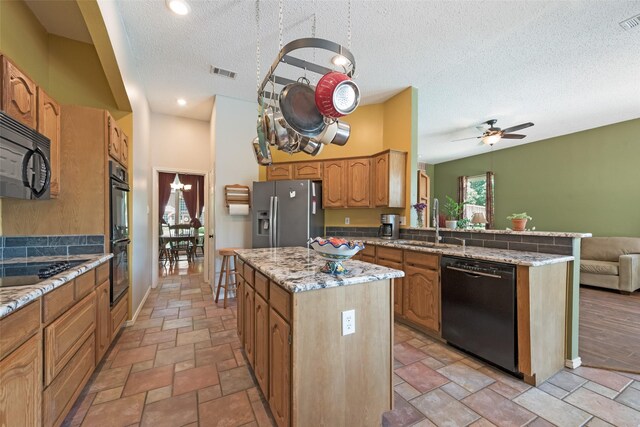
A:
(390, 226)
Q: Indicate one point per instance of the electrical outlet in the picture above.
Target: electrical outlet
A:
(347, 220)
(348, 322)
(403, 220)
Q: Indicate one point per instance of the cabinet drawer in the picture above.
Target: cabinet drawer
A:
(390, 254)
(119, 315)
(367, 258)
(422, 259)
(280, 300)
(240, 268)
(57, 301)
(102, 272)
(369, 250)
(262, 285)
(85, 284)
(65, 335)
(248, 274)
(60, 396)
(17, 327)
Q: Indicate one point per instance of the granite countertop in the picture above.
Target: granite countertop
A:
(12, 298)
(298, 269)
(531, 259)
(522, 233)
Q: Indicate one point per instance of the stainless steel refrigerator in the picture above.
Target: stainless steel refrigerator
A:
(286, 213)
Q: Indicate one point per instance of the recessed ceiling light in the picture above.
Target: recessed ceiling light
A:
(339, 60)
(182, 102)
(179, 7)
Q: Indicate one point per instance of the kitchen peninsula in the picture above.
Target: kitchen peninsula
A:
(290, 321)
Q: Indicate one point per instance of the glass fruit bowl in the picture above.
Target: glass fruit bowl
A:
(335, 250)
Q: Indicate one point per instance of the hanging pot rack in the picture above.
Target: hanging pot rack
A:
(285, 58)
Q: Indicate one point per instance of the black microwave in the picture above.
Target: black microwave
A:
(25, 168)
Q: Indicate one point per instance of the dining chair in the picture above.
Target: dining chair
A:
(182, 239)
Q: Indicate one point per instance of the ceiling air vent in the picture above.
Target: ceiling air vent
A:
(631, 23)
(222, 72)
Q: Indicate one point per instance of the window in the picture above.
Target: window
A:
(476, 196)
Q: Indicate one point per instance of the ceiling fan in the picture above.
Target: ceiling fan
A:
(493, 134)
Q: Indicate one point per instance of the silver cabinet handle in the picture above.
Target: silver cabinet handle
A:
(275, 222)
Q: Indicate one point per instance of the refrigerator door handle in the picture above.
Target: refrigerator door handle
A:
(271, 221)
(275, 221)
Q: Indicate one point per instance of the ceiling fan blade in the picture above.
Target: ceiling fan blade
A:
(513, 136)
(465, 139)
(518, 127)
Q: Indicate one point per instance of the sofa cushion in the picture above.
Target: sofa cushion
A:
(609, 248)
(599, 267)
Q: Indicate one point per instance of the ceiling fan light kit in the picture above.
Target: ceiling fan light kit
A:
(493, 134)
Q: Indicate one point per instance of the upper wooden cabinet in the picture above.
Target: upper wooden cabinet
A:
(49, 126)
(358, 183)
(307, 170)
(279, 171)
(389, 176)
(362, 182)
(18, 94)
(334, 189)
(114, 138)
(124, 149)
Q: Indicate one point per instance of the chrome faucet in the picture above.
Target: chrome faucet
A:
(436, 208)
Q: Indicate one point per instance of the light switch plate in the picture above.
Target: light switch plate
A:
(403, 220)
(347, 220)
(348, 322)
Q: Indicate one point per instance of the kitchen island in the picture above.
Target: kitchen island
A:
(290, 321)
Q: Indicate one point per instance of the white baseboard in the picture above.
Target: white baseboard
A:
(135, 315)
(573, 363)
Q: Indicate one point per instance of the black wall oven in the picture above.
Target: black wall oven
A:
(119, 234)
(25, 171)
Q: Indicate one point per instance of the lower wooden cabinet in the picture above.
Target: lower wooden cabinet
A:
(103, 320)
(64, 336)
(397, 287)
(119, 315)
(279, 368)
(421, 299)
(60, 396)
(248, 319)
(21, 385)
(240, 299)
(261, 350)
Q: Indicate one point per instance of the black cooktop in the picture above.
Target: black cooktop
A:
(31, 273)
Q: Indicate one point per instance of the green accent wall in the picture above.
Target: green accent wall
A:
(586, 181)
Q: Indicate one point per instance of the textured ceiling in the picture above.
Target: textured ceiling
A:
(564, 65)
(61, 17)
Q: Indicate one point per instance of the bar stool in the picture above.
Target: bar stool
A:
(226, 270)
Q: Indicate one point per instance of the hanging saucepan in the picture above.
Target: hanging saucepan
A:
(283, 139)
(268, 125)
(328, 133)
(260, 158)
(336, 95)
(262, 141)
(342, 133)
(298, 106)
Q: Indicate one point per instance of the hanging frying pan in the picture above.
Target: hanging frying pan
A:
(298, 107)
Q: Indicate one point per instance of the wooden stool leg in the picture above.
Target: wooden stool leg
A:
(226, 284)
(222, 266)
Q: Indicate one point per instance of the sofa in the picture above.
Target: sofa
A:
(611, 262)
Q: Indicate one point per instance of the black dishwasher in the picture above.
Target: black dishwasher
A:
(479, 309)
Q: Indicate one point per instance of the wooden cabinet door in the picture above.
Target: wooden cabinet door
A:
(64, 336)
(422, 297)
(358, 183)
(103, 320)
(307, 170)
(115, 137)
(381, 180)
(279, 369)
(397, 286)
(334, 190)
(18, 94)
(124, 149)
(119, 315)
(261, 350)
(49, 126)
(249, 323)
(276, 172)
(21, 385)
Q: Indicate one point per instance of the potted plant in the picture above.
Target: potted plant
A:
(519, 220)
(453, 210)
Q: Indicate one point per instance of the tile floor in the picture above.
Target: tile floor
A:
(181, 364)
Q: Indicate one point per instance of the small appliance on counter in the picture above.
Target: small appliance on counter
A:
(390, 227)
(25, 171)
